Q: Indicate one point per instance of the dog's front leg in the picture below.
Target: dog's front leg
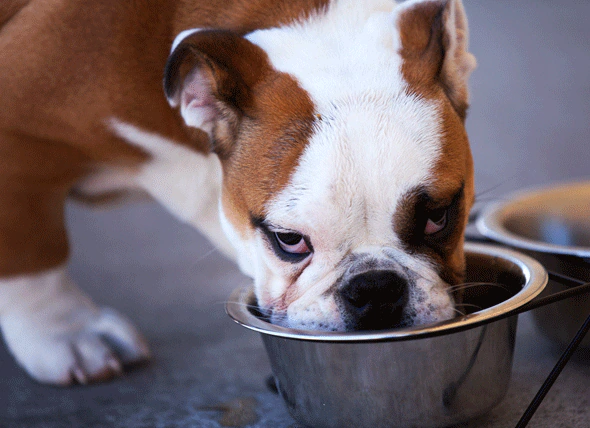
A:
(53, 330)
(59, 336)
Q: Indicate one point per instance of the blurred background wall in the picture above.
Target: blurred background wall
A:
(529, 123)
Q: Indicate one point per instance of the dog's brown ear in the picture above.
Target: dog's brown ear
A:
(210, 76)
(434, 46)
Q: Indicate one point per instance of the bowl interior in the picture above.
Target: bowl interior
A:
(490, 281)
(554, 220)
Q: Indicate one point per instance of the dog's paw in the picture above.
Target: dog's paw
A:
(60, 337)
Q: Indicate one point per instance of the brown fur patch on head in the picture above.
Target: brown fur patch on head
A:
(272, 137)
(434, 42)
(451, 186)
(436, 65)
(260, 119)
(453, 167)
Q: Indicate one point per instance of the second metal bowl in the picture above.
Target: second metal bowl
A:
(551, 224)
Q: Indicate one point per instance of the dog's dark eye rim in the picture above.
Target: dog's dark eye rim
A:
(272, 234)
(438, 215)
(439, 218)
(438, 212)
(289, 238)
(445, 215)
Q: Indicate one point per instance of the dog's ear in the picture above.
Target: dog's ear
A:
(434, 46)
(210, 75)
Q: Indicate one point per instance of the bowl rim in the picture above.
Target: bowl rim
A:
(535, 275)
(490, 222)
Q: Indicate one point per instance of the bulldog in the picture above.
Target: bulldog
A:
(318, 143)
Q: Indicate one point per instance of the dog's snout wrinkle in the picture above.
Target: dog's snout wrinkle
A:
(359, 263)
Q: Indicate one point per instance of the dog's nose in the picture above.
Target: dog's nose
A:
(374, 300)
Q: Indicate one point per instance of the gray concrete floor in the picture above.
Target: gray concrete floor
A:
(529, 125)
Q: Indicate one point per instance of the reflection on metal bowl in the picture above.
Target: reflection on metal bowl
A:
(552, 225)
(424, 376)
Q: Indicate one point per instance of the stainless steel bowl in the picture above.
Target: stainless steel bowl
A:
(552, 225)
(426, 376)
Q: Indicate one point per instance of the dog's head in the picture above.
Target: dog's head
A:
(347, 173)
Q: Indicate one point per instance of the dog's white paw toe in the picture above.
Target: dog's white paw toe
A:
(89, 350)
(95, 360)
(122, 337)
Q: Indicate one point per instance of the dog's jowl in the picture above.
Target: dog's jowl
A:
(318, 143)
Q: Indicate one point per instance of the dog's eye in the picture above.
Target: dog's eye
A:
(292, 243)
(437, 221)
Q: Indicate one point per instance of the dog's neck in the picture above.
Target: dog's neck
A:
(241, 16)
